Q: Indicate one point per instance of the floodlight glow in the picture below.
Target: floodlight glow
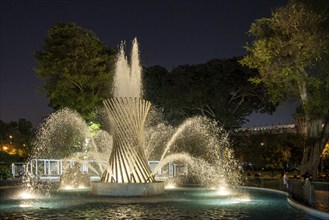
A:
(26, 195)
(68, 187)
(25, 205)
(170, 186)
(223, 191)
(245, 199)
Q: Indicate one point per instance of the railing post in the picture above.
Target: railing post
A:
(49, 170)
(61, 167)
(13, 170)
(36, 167)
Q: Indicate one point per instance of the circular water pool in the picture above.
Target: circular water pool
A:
(180, 203)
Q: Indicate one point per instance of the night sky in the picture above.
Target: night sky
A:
(170, 33)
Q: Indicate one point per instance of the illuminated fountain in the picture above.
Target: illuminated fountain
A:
(137, 134)
(121, 159)
(128, 173)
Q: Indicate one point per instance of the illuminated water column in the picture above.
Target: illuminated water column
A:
(127, 162)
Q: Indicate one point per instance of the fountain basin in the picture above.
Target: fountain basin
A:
(177, 203)
(127, 189)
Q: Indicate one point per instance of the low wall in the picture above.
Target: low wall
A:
(127, 189)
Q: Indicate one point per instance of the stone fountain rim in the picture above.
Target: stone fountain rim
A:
(127, 189)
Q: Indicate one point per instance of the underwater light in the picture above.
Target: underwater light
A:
(68, 187)
(25, 205)
(26, 195)
(223, 191)
(170, 186)
(242, 199)
(245, 199)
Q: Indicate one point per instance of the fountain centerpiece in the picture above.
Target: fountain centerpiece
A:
(128, 173)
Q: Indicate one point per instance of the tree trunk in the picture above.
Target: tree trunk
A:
(311, 159)
(317, 137)
(317, 134)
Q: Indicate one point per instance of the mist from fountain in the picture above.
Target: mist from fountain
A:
(65, 135)
(205, 147)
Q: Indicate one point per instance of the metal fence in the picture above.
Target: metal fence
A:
(52, 169)
(310, 193)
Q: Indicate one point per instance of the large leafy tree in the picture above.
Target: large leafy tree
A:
(218, 89)
(76, 67)
(290, 51)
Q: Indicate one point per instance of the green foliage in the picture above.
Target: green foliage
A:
(266, 150)
(17, 137)
(77, 69)
(218, 89)
(288, 48)
(325, 152)
(290, 51)
(21, 132)
(94, 127)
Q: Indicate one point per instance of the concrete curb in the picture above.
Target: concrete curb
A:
(295, 204)
(310, 211)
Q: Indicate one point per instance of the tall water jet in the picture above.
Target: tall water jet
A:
(127, 113)
(127, 78)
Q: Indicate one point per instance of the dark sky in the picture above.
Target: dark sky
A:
(170, 33)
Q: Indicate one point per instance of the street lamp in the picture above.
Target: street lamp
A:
(11, 138)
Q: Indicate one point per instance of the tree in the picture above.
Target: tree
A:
(268, 150)
(15, 138)
(77, 69)
(218, 89)
(154, 82)
(290, 51)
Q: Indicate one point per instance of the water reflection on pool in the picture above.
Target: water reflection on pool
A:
(179, 203)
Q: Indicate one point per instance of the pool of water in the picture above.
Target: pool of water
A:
(181, 203)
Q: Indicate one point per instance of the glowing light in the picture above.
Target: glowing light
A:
(170, 186)
(25, 205)
(243, 199)
(68, 187)
(26, 195)
(223, 191)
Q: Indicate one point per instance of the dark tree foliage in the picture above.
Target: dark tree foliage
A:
(21, 132)
(268, 150)
(15, 138)
(76, 67)
(218, 89)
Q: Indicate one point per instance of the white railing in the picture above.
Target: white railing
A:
(52, 169)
